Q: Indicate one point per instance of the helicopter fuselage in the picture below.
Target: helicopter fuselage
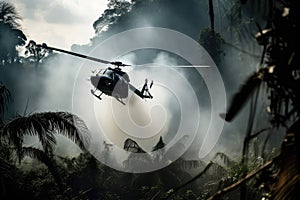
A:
(113, 82)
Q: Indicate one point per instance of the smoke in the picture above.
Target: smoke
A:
(61, 85)
(143, 120)
(47, 89)
(235, 67)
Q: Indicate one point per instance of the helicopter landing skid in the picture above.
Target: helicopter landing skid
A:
(98, 96)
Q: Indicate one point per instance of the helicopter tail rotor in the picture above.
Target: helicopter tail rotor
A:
(144, 93)
(151, 84)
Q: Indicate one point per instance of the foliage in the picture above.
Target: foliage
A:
(116, 8)
(212, 42)
(83, 177)
(122, 15)
(36, 53)
(11, 35)
(279, 72)
(45, 125)
(5, 97)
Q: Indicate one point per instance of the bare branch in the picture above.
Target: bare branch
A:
(237, 184)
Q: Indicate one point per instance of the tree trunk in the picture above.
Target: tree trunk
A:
(211, 14)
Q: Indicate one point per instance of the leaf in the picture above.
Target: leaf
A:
(225, 158)
(9, 14)
(160, 144)
(131, 146)
(5, 97)
(245, 92)
(5, 167)
(191, 164)
(45, 126)
(42, 157)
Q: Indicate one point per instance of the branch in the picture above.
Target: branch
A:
(242, 50)
(246, 178)
(257, 133)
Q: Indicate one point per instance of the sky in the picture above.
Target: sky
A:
(59, 23)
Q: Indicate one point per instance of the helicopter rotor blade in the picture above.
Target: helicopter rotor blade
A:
(117, 63)
(155, 65)
(76, 54)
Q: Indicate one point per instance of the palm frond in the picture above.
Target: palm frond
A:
(225, 159)
(216, 168)
(45, 126)
(226, 181)
(5, 167)
(9, 14)
(249, 176)
(191, 164)
(131, 146)
(5, 97)
(160, 144)
(245, 92)
(42, 157)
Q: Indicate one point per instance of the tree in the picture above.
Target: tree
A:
(116, 8)
(210, 39)
(36, 53)
(43, 125)
(165, 178)
(279, 73)
(11, 34)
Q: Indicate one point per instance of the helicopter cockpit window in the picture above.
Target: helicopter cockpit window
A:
(110, 74)
(108, 77)
(107, 82)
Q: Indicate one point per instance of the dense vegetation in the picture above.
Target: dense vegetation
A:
(260, 171)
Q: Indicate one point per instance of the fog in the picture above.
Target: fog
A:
(61, 84)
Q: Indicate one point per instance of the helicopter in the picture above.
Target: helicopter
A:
(112, 81)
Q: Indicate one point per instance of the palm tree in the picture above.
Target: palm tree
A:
(9, 14)
(11, 34)
(43, 125)
(166, 178)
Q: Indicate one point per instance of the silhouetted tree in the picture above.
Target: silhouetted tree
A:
(43, 125)
(116, 8)
(11, 34)
(210, 39)
(36, 53)
(279, 72)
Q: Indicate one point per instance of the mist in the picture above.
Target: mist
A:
(61, 84)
